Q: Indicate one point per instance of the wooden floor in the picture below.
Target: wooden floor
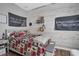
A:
(61, 52)
(11, 53)
(58, 52)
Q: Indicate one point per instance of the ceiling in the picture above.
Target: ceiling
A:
(31, 6)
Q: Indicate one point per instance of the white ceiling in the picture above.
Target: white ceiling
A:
(30, 6)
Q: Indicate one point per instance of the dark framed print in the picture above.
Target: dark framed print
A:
(16, 21)
(69, 23)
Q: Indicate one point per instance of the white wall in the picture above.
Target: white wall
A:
(10, 7)
(62, 38)
(68, 39)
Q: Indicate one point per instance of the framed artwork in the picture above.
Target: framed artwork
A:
(40, 20)
(3, 19)
(16, 21)
(69, 23)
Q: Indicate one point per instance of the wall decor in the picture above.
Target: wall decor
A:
(70, 23)
(40, 20)
(30, 24)
(42, 28)
(16, 21)
(3, 18)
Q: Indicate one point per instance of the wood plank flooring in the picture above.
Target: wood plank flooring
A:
(61, 52)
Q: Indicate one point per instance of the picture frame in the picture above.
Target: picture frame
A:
(40, 20)
(67, 23)
(16, 20)
(3, 19)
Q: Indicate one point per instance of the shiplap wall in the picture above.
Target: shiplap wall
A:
(68, 39)
(10, 7)
(62, 38)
